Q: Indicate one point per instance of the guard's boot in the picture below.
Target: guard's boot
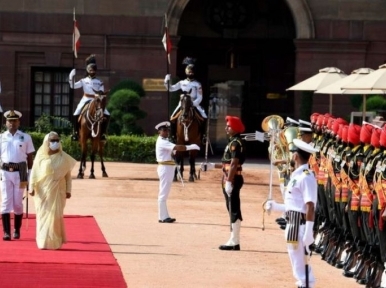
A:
(234, 241)
(6, 218)
(17, 226)
(383, 278)
(104, 125)
(75, 135)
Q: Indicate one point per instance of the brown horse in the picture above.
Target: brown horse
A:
(188, 132)
(90, 124)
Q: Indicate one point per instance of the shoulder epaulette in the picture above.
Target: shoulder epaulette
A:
(306, 171)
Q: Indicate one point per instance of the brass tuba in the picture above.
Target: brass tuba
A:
(290, 134)
(272, 125)
(272, 122)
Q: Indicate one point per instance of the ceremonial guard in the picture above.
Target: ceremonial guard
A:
(299, 205)
(91, 85)
(379, 214)
(166, 166)
(16, 162)
(191, 87)
(232, 180)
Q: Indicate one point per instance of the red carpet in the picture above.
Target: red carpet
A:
(85, 261)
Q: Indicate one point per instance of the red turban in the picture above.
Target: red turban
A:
(345, 133)
(353, 133)
(375, 141)
(314, 117)
(330, 122)
(336, 125)
(382, 141)
(365, 135)
(319, 121)
(235, 123)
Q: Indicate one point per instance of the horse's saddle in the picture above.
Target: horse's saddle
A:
(197, 116)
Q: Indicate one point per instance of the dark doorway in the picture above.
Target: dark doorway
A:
(256, 56)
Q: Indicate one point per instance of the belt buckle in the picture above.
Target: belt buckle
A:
(10, 169)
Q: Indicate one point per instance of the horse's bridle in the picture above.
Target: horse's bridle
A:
(184, 119)
(97, 117)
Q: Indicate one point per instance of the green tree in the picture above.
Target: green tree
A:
(374, 103)
(123, 106)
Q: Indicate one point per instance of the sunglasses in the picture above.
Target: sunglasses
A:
(54, 140)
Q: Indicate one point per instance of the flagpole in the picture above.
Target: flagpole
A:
(73, 67)
(167, 66)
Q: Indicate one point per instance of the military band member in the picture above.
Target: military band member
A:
(232, 180)
(192, 87)
(16, 161)
(91, 85)
(166, 166)
(300, 202)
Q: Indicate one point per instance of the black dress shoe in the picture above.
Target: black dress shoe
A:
(232, 247)
(16, 235)
(282, 227)
(167, 220)
(280, 220)
(6, 237)
(283, 222)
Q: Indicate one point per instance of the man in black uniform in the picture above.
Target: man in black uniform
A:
(232, 181)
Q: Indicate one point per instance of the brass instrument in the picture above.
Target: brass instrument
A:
(273, 125)
(290, 134)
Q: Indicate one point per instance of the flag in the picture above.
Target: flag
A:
(75, 38)
(166, 40)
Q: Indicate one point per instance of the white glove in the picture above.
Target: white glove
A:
(272, 205)
(228, 188)
(207, 166)
(167, 78)
(192, 147)
(308, 237)
(72, 74)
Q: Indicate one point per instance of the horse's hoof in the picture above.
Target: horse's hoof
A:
(191, 179)
(104, 174)
(80, 176)
(92, 176)
(175, 179)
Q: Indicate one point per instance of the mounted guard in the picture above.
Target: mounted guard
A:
(90, 84)
(191, 86)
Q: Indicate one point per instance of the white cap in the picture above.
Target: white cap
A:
(304, 146)
(305, 129)
(304, 123)
(12, 115)
(165, 124)
(289, 120)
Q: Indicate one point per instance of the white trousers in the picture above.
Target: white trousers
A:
(11, 194)
(199, 108)
(298, 261)
(81, 104)
(165, 174)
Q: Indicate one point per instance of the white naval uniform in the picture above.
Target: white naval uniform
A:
(89, 85)
(196, 93)
(302, 188)
(165, 170)
(14, 149)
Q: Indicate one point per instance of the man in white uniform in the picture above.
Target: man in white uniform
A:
(90, 85)
(16, 160)
(299, 205)
(192, 87)
(166, 166)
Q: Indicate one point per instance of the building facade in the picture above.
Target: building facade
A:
(248, 52)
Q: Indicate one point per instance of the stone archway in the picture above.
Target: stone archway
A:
(299, 8)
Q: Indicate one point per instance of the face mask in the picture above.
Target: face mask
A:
(54, 146)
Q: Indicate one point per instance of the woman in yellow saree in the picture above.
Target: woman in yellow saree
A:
(50, 184)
